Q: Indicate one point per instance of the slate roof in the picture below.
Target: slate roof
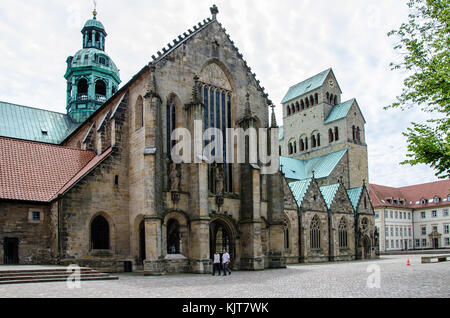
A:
(412, 195)
(339, 111)
(329, 193)
(32, 171)
(299, 189)
(306, 86)
(303, 169)
(33, 124)
(355, 195)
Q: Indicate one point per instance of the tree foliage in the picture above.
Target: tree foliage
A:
(424, 49)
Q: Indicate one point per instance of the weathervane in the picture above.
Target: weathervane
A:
(95, 9)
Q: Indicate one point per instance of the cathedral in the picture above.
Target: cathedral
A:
(98, 186)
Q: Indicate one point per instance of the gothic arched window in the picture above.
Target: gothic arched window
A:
(306, 143)
(173, 237)
(171, 123)
(289, 110)
(311, 100)
(100, 234)
(302, 104)
(318, 140)
(336, 133)
(343, 234)
(358, 134)
(297, 106)
(316, 97)
(354, 132)
(315, 233)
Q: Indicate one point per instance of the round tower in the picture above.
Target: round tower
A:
(92, 77)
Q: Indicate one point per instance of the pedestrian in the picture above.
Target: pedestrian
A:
(216, 263)
(226, 263)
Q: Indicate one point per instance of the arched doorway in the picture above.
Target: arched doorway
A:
(221, 237)
(142, 255)
(173, 237)
(100, 234)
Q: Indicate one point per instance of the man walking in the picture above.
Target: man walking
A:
(226, 263)
(216, 263)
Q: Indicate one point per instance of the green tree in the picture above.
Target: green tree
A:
(424, 49)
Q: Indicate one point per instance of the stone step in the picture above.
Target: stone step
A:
(39, 273)
(31, 277)
(53, 280)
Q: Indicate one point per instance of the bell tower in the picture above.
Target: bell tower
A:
(92, 77)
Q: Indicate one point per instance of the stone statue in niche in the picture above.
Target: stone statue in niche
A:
(175, 178)
(219, 180)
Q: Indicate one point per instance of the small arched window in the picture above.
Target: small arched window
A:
(358, 134)
(297, 106)
(330, 135)
(318, 140)
(289, 110)
(316, 97)
(311, 100)
(306, 143)
(336, 133)
(302, 104)
(302, 145)
(335, 100)
(290, 149)
(82, 87)
(313, 141)
(328, 97)
(315, 233)
(295, 147)
(293, 109)
(354, 132)
(307, 103)
(100, 88)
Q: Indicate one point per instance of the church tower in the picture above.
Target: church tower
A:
(319, 127)
(92, 77)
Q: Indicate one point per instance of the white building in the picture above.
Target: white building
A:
(413, 217)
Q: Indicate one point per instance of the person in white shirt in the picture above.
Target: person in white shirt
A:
(226, 263)
(216, 264)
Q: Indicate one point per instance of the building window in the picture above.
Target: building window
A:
(423, 214)
(436, 200)
(396, 244)
(385, 214)
(424, 230)
(36, 216)
(387, 243)
(396, 231)
(447, 241)
(409, 215)
(377, 215)
(445, 213)
(434, 214)
(315, 233)
(387, 231)
(409, 231)
(343, 236)
(391, 215)
(401, 215)
(417, 243)
(392, 231)
(401, 231)
(446, 230)
(424, 242)
(435, 228)
(396, 214)
(336, 133)
(330, 136)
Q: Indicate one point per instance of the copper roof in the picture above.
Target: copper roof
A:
(414, 196)
(32, 171)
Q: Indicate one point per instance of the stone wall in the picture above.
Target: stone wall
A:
(35, 236)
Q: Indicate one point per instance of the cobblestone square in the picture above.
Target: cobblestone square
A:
(297, 281)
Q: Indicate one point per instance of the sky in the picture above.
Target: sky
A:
(284, 42)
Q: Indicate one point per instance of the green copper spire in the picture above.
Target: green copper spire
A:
(92, 77)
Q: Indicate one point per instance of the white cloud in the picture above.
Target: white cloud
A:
(283, 41)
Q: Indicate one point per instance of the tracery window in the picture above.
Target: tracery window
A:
(315, 233)
(216, 95)
(343, 234)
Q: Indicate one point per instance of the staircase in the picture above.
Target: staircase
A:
(24, 276)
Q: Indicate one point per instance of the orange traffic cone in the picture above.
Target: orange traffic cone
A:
(408, 263)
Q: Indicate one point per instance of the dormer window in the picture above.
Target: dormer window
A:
(423, 201)
(436, 200)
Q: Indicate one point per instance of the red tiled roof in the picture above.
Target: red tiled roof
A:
(31, 171)
(411, 194)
